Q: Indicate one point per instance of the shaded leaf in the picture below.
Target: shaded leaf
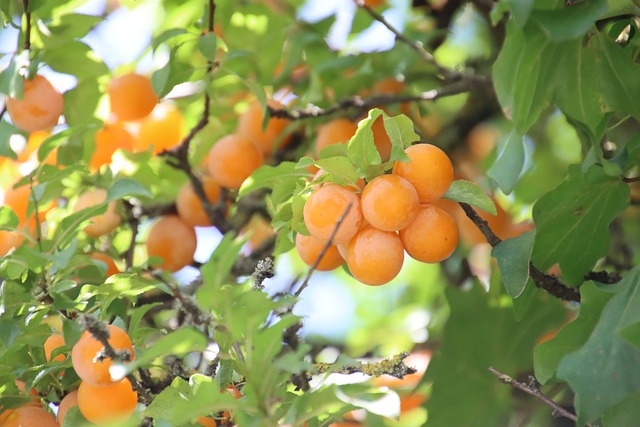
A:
(513, 256)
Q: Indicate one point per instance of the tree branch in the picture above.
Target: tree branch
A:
(393, 366)
(534, 390)
(551, 284)
(364, 104)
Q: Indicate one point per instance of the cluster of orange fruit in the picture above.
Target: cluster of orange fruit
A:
(99, 398)
(371, 226)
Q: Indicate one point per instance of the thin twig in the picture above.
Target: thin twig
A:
(134, 224)
(393, 366)
(551, 284)
(27, 32)
(534, 391)
(447, 73)
(324, 250)
(363, 104)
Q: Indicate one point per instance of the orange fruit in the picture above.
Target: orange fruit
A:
(28, 416)
(22, 387)
(381, 139)
(429, 170)
(309, 249)
(112, 268)
(232, 159)
(481, 141)
(109, 403)
(250, 127)
(337, 131)
(389, 202)
(39, 108)
(207, 422)
(432, 236)
(173, 241)
(189, 206)
(85, 356)
(52, 342)
(375, 257)
(411, 401)
(111, 137)
(101, 224)
(326, 206)
(9, 240)
(67, 402)
(131, 96)
(163, 129)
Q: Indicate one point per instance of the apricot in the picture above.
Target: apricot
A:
(232, 159)
(432, 236)
(250, 127)
(112, 268)
(429, 170)
(108, 403)
(9, 240)
(189, 205)
(375, 257)
(27, 416)
(111, 137)
(389, 202)
(326, 206)
(163, 129)
(89, 363)
(173, 241)
(309, 249)
(52, 342)
(39, 108)
(131, 96)
(101, 224)
(67, 402)
(337, 131)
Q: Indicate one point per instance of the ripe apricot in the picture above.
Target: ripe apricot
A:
(432, 236)
(207, 421)
(89, 363)
(101, 404)
(112, 268)
(326, 206)
(429, 170)
(67, 402)
(309, 249)
(101, 224)
(111, 137)
(481, 141)
(250, 127)
(27, 416)
(381, 139)
(163, 129)
(232, 159)
(374, 256)
(173, 241)
(189, 206)
(51, 343)
(39, 108)
(338, 131)
(131, 96)
(18, 200)
(9, 240)
(389, 202)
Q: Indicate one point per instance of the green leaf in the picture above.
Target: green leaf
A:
(208, 46)
(126, 187)
(285, 174)
(8, 218)
(623, 414)
(548, 355)
(459, 369)
(525, 55)
(520, 11)
(606, 359)
(340, 168)
(217, 269)
(573, 221)
(506, 170)
(73, 57)
(179, 343)
(6, 132)
(513, 256)
(81, 102)
(471, 193)
(567, 23)
(402, 134)
(361, 150)
(74, 26)
(631, 334)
